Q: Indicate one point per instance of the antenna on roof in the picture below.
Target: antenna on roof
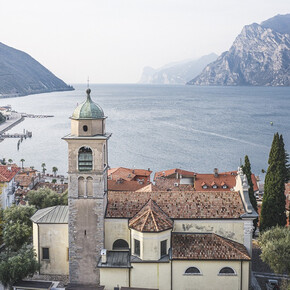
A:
(88, 82)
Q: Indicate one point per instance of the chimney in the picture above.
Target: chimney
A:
(104, 256)
(216, 172)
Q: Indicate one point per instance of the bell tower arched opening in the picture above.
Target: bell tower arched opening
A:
(85, 160)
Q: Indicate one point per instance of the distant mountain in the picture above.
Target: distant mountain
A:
(176, 73)
(260, 56)
(21, 75)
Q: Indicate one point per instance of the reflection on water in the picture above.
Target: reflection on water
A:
(160, 127)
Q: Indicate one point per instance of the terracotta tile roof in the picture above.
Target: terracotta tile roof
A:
(177, 204)
(7, 174)
(255, 184)
(24, 180)
(223, 178)
(172, 184)
(125, 185)
(167, 173)
(206, 247)
(151, 219)
(127, 173)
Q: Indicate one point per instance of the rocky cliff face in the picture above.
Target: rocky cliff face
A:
(178, 73)
(260, 56)
(21, 75)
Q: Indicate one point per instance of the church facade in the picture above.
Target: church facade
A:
(154, 239)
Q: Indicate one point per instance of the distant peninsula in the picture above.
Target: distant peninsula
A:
(21, 75)
(176, 73)
(260, 56)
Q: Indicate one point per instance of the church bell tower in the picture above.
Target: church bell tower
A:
(87, 191)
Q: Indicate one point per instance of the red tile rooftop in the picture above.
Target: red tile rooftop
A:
(151, 219)
(171, 172)
(125, 185)
(7, 172)
(127, 173)
(206, 247)
(177, 204)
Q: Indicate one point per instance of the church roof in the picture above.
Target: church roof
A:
(178, 204)
(88, 109)
(151, 219)
(51, 215)
(206, 247)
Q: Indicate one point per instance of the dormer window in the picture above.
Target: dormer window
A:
(224, 185)
(204, 186)
(214, 185)
(85, 160)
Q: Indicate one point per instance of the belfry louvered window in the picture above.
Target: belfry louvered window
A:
(85, 159)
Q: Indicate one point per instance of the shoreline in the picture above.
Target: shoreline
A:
(9, 124)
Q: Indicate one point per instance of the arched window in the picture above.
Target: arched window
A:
(227, 271)
(81, 186)
(85, 159)
(120, 245)
(192, 271)
(89, 186)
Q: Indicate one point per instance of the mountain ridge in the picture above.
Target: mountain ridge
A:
(21, 74)
(259, 56)
(176, 72)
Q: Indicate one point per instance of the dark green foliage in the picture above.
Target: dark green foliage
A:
(2, 118)
(15, 266)
(45, 197)
(17, 226)
(275, 246)
(248, 172)
(273, 206)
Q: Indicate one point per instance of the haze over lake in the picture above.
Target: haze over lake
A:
(160, 126)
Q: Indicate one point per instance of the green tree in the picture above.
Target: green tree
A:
(43, 168)
(2, 118)
(275, 246)
(17, 226)
(10, 160)
(54, 170)
(15, 266)
(45, 197)
(248, 172)
(273, 205)
(22, 161)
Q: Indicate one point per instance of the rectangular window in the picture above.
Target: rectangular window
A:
(163, 248)
(136, 247)
(45, 253)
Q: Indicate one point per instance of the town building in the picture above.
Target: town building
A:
(148, 239)
(7, 184)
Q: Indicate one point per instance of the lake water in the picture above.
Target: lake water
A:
(160, 127)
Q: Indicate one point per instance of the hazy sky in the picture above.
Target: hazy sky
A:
(112, 40)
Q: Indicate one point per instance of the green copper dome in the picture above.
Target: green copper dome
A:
(88, 109)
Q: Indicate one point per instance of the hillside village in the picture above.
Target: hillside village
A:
(123, 230)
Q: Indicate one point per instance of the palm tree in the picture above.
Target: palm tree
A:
(10, 160)
(43, 168)
(54, 170)
(22, 160)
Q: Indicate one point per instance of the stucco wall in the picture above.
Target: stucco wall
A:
(151, 275)
(116, 229)
(113, 277)
(150, 247)
(94, 127)
(233, 230)
(54, 237)
(35, 239)
(209, 278)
